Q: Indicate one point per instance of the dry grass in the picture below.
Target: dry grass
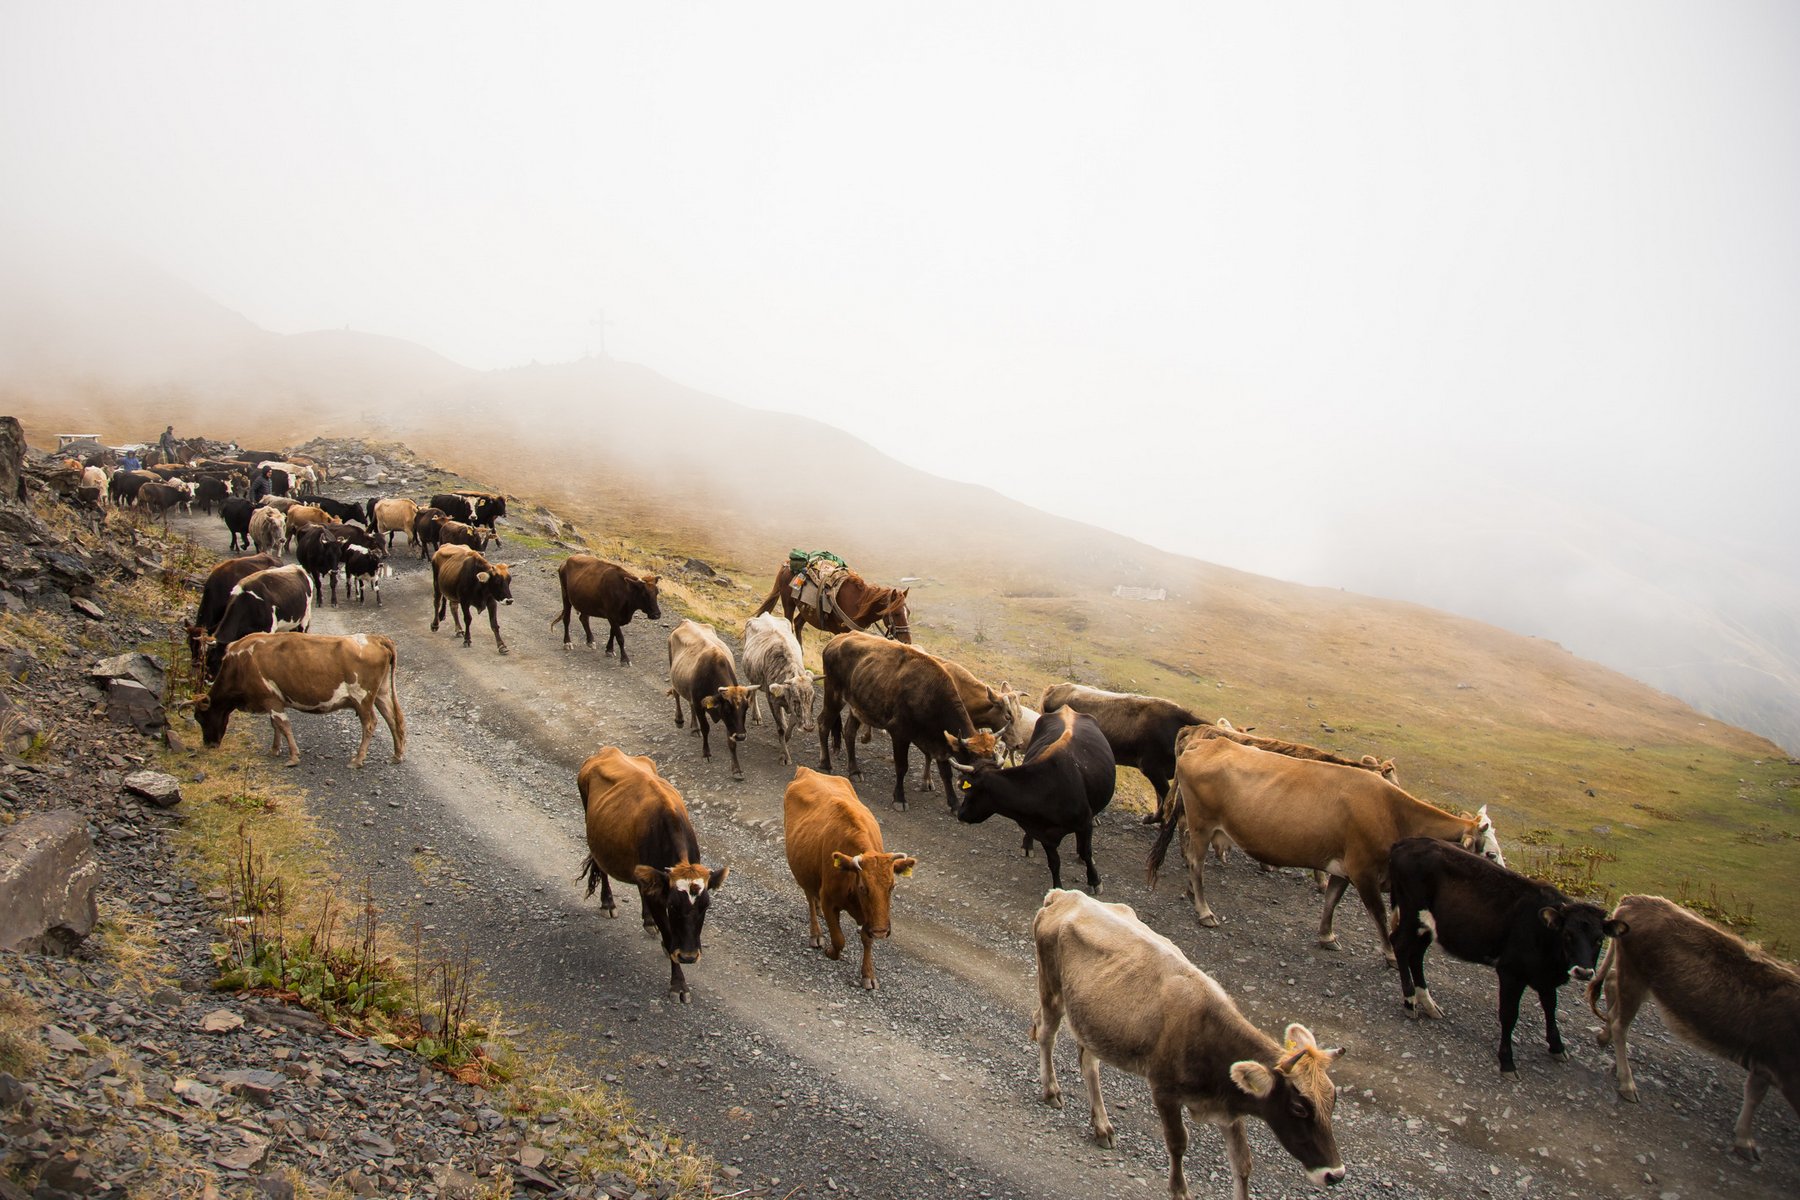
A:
(21, 1050)
(129, 943)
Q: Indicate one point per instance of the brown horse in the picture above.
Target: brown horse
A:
(862, 603)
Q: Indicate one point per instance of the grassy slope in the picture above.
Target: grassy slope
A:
(1683, 805)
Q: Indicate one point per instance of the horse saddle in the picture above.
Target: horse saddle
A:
(816, 579)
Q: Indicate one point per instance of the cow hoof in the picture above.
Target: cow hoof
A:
(504, 650)
(568, 646)
(1629, 1093)
(1105, 1137)
(1209, 921)
(868, 985)
(1053, 1099)
(1151, 819)
(685, 997)
(1560, 1055)
(1511, 1073)
(1748, 1151)
(1329, 943)
(292, 762)
(899, 806)
(611, 913)
(817, 943)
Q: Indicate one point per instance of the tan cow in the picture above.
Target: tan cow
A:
(638, 832)
(1133, 1000)
(702, 672)
(834, 850)
(393, 515)
(308, 672)
(1714, 991)
(1291, 812)
(301, 516)
(268, 529)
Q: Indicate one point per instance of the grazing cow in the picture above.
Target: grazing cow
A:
(702, 672)
(308, 672)
(1134, 1000)
(455, 533)
(216, 594)
(236, 513)
(1529, 932)
(425, 526)
(363, 560)
(905, 691)
(773, 664)
(321, 553)
(268, 530)
(593, 587)
(158, 498)
(1066, 779)
(391, 515)
(123, 487)
(270, 601)
(1140, 729)
(341, 510)
(461, 579)
(834, 850)
(1714, 990)
(471, 507)
(1292, 812)
(638, 832)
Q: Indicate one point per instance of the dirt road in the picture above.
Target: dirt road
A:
(783, 1067)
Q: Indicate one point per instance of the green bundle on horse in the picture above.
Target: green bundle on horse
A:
(851, 603)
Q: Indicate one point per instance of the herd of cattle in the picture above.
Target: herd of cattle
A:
(1281, 803)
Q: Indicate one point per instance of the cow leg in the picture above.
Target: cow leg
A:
(274, 736)
(678, 982)
(834, 925)
(1627, 995)
(848, 733)
(1084, 846)
(334, 588)
(1756, 1085)
(365, 712)
(756, 695)
(494, 621)
(1174, 1124)
(387, 703)
(731, 744)
(902, 748)
(868, 962)
(1090, 1075)
(830, 721)
(1334, 893)
(1197, 877)
(1369, 889)
(1053, 858)
(607, 904)
(285, 729)
(925, 775)
(1512, 988)
(1044, 1024)
(1237, 1150)
(814, 937)
(1411, 939)
(678, 719)
(1553, 1035)
(1160, 813)
(704, 728)
(618, 634)
(587, 631)
(468, 624)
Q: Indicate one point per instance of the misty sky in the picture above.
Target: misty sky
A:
(1236, 279)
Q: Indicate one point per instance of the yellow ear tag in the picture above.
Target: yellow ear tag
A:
(965, 785)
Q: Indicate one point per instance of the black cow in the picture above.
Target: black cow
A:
(364, 560)
(1481, 912)
(1140, 729)
(462, 579)
(321, 553)
(425, 526)
(471, 508)
(210, 490)
(123, 487)
(236, 513)
(270, 601)
(1066, 779)
(340, 510)
(217, 594)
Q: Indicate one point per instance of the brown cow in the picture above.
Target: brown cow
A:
(392, 515)
(309, 672)
(834, 850)
(1714, 991)
(593, 587)
(301, 517)
(997, 710)
(1291, 812)
(638, 832)
(702, 671)
(1132, 999)
(907, 692)
(462, 580)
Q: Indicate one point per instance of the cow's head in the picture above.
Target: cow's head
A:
(496, 583)
(643, 595)
(872, 882)
(685, 891)
(1296, 1097)
(972, 796)
(1480, 838)
(796, 696)
(212, 718)
(729, 706)
(1578, 929)
(197, 638)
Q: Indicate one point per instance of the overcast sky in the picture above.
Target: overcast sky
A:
(1231, 278)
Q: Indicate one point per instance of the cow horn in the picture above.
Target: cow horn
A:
(968, 770)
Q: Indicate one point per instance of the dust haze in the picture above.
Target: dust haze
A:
(1488, 309)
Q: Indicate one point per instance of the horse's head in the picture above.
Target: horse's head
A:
(894, 615)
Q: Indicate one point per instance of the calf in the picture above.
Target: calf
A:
(158, 498)
(702, 672)
(1133, 1000)
(462, 580)
(455, 533)
(1066, 779)
(772, 662)
(314, 673)
(892, 686)
(236, 513)
(472, 508)
(320, 553)
(593, 587)
(638, 832)
(1714, 990)
(391, 515)
(364, 563)
(268, 529)
(95, 477)
(270, 601)
(279, 503)
(1140, 729)
(1479, 911)
(216, 594)
(834, 850)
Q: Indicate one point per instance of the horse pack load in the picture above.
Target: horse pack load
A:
(817, 576)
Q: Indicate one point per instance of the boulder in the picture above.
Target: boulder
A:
(12, 460)
(162, 790)
(48, 873)
(145, 671)
(131, 703)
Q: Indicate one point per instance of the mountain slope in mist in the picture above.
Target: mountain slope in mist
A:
(125, 349)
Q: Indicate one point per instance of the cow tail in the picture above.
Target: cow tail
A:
(1160, 850)
(590, 870)
(773, 598)
(1597, 984)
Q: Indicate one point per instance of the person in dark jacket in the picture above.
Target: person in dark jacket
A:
(260, 484)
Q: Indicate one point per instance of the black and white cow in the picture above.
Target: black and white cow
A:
(271, 601)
